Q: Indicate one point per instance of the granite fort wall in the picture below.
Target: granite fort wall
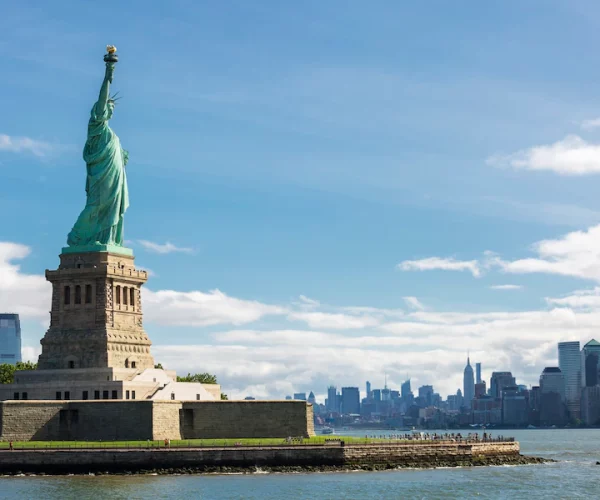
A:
(76, 420)
(246, 419)
(415, 455)
(130, 420)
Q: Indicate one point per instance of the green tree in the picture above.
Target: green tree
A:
(203, 378)
(7, 372)
(159, 366)
(224, 396)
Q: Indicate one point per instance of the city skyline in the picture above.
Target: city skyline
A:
(327, 198)
(562, 398)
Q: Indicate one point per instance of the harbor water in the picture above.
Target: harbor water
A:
(574, 475)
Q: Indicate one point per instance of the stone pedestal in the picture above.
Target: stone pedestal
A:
(96, 314)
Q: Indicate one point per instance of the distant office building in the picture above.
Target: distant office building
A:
(552, 397)
(350, 400)
(480, 389)
(569, 362)
(426, 394)
(331, 404)
(288, 398)
(487, 410)
(405, 391)
(454, 403)
(499, 381)
(468, 384)
(10, 338)
(478, 379)
(590, 354)
(514, 406)
(386, 394)
(377, 395)
(249, 398)
(300, 396)
(553, 380)
(368, 389)
(311, 398)
(590, 405)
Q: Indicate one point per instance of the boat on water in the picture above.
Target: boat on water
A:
(327, 430)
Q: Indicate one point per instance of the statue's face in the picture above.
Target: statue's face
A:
(111, 109)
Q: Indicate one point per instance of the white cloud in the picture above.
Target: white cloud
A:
(163, 248)
(413, 303)
(29, 353)
(430, 347)
(590, 124)
(570, 156)
(576, 254)
(24, 144)
(169, 307)
(445, 264)
(25, 294)
(334, 321)
(307, 303)
(506, 287)
(579, 299)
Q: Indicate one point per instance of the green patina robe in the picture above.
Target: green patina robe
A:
(101, 221)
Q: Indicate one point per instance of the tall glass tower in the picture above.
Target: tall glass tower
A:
(569, 362)
(10, 338)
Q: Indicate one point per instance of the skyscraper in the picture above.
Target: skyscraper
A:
(499, 381)
(332, 399)
(368, 389)
(590, 354)
(569, 362)
(553, 380)
(405, 389)
(10, 338)
(478, 373)
(350, 400)
(552, 397)
(468, 384)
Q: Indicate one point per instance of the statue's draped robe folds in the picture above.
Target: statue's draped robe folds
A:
(101, 221)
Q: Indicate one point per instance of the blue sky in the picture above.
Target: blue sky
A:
(327, 150)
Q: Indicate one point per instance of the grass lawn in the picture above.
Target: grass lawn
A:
(316, 440)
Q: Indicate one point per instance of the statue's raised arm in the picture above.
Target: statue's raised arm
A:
(105, 89)
(100, 224)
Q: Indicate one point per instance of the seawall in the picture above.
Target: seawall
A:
(248, 458)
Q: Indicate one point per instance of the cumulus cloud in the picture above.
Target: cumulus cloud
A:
(445, 264)
(428, 346)
(570, 156)
(413, 303)
(506, 287)
(576, 254)
(165, 248)
(24, 145)
(334, 321)
(195, 308)
(22, 293)
(579, 299)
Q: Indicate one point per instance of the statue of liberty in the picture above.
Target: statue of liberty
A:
(100, 224)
